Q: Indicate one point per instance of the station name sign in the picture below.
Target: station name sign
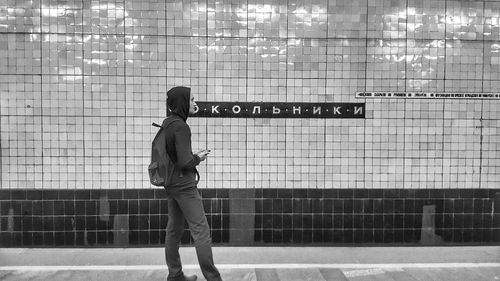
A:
(279, 110)
(426, 95)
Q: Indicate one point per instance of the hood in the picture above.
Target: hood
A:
(178, 101)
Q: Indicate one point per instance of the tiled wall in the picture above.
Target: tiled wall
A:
(82, 81)
(138, 217)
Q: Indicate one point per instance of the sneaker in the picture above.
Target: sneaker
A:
(190, 278)
(183, 278)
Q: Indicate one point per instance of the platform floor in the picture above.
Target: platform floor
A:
(258, 263)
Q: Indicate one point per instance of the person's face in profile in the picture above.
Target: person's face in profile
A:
(192, 104)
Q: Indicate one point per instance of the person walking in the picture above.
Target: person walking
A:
(184, 200)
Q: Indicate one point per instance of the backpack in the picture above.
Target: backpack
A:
(161, 167)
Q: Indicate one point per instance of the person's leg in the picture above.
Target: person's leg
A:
(192, 208)
(175, 228)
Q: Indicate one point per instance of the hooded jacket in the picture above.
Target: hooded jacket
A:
(178, 140)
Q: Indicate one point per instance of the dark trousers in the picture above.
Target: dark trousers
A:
(185, 204)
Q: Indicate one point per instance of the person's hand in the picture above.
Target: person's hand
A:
(203, 154)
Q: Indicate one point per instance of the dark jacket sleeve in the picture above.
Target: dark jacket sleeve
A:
(186, 160)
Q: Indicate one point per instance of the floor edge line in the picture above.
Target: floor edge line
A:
(247, 266)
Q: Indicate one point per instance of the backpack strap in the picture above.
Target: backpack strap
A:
(162, 128)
